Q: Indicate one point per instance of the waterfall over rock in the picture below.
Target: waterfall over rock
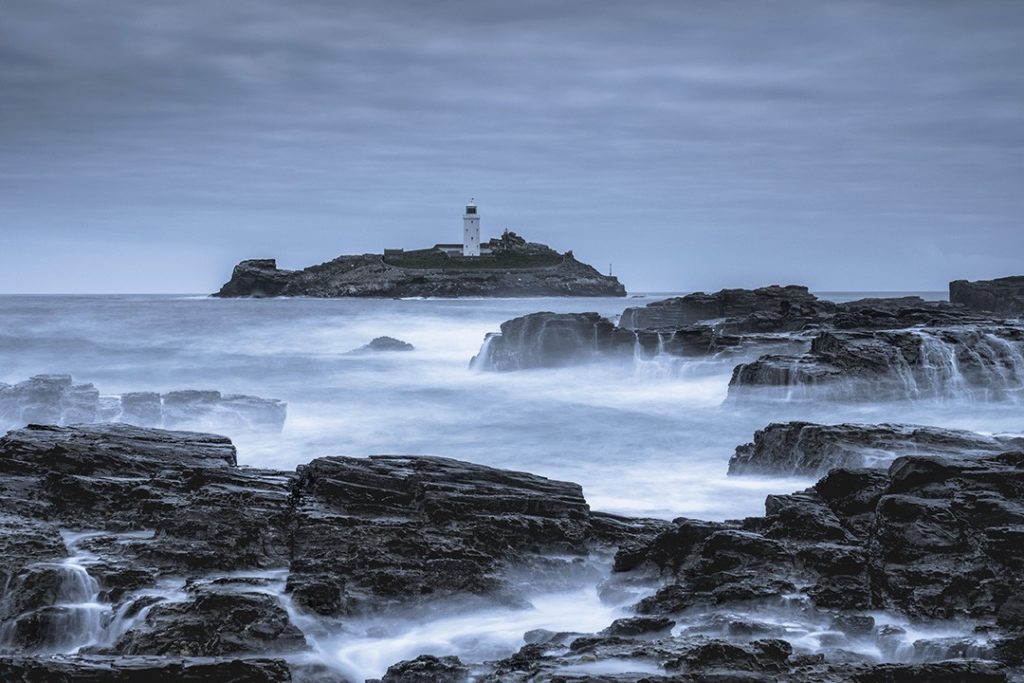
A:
(52, 607)
(545, 340)
(970, 363)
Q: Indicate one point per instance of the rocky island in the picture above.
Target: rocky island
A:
(507, 266)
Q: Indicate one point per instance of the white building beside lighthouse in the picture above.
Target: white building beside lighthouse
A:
(471, 231)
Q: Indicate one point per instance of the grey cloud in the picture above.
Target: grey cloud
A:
(837, 138)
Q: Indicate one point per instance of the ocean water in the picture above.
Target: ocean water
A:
(649, 438)
(646, 438)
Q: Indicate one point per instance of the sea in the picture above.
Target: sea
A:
(644, 437)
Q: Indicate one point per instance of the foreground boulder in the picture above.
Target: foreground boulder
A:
(372, 532)
(968, 362)
(57, 400)
(1003, 295)
(804, 448)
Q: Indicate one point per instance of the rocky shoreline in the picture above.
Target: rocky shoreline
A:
(188, 567)
(786, 343)
(132, 553)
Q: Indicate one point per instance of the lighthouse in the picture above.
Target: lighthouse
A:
(471, 231)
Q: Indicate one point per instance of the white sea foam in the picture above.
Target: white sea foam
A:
(648, 437)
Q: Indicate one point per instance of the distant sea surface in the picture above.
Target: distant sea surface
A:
(642, 437)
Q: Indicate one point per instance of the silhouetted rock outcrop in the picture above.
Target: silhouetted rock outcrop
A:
(1003, 295)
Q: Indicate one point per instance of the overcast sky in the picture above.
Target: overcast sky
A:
(147, 146)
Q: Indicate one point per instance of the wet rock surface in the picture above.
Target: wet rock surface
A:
(546, 340)
(701, 659)
(57, 400)
(929, 538)
(791, 595)
(428, 669)
(243, 547)
(212, 624)
(803, 341)
(525, 269)
(805, 448)
(793, 301)
(980, 363)
(140, 670)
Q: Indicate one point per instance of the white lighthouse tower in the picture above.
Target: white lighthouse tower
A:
(471, 231)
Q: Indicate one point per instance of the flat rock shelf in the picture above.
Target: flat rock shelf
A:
(132, 554)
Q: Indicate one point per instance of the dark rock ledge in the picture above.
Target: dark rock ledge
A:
(801, 340)
(932, 538)
(247, 549)
(1003, 295)
(971, 362)
(805, 448)
(341, 537)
